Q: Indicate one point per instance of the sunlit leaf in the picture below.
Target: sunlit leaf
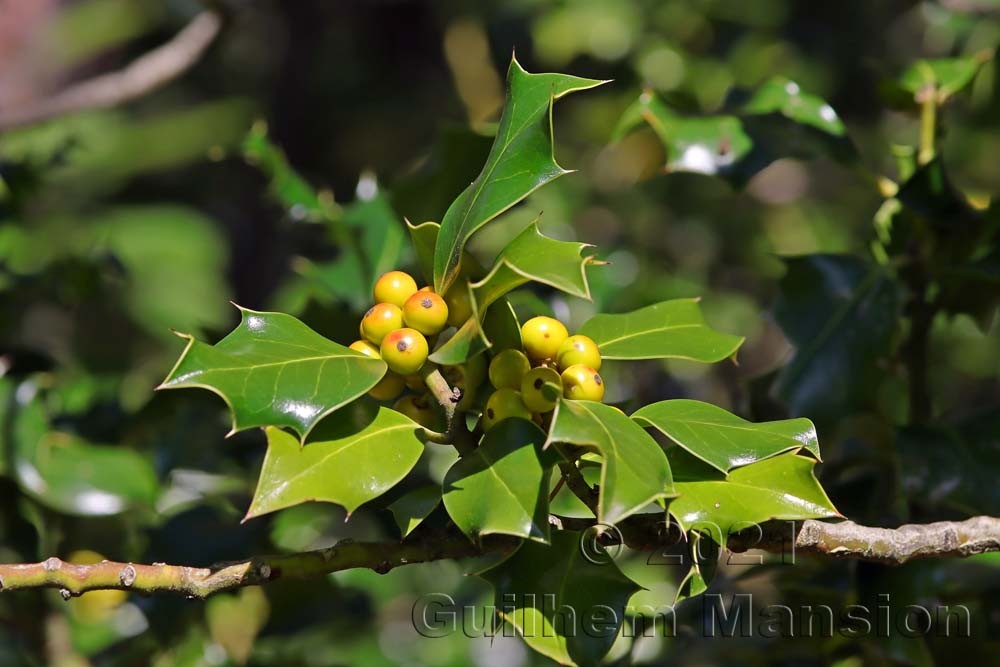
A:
(669, 329)
(502, 485)
(352, 457)
(566, 607)
(273, 370)
(520, 161)
(722, 439)
(947, 75)
(634, 470)
(410, 510)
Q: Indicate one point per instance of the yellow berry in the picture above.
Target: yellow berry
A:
(541, 337)
(388, 388)
(365, 348)
(405, 350)
(380, 320)
(417, 408)
(541, 389)
(459, 305)
(394, 287)
(426, 312)
(502, 404)
(582, 383)
(507, 369)
(579, 349)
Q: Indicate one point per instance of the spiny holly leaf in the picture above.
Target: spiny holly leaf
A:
(669, 329)
(531, 256)
(355, 455)
(566, 607)
(520, 162)
(704, 553)
(722, 439)
(840, 313)
(273, 370)
(634, 470)
(502, 485)
(411, 509)
(781, 487)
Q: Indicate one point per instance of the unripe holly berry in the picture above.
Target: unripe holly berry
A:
(426, 312)
(405, 350)
(388, 388)
(394, 287)
(365, 348)
(542, 336)
(579, 349)
(508, 368)
(582, 383)
(459, 305)
(541, 389)
(502, 404)
(417, 408)
(415, 382)
(380, 320)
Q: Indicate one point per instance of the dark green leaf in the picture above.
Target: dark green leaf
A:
(411, 509)
(669, 329)
(273, 370)
(520, 161)
(501, 327)
(722, 439)
(634, 470)
(502, 485)
(346, 462)
(564, 606)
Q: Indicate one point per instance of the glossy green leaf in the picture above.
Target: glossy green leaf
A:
(781, 487)
(520, 161)
(840, 313)
(411, 509)
(704, 555)
(502, 485)
(423, 237)
(354, 456)
(780, 95)
(947, 75)
(501, 327)
(669, 329)
(70, 475)
(634, 470)
(722, 439)
(564, 606)
(533, 257)
(273, 370)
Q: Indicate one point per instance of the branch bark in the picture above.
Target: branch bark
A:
(838, 540)
(147, 73)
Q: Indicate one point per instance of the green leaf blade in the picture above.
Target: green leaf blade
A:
(669, 329)
(273, 370)
(410, 510)
(520, 162)
(634, 469)
(502, 485)
(722, 439)
(347, 462)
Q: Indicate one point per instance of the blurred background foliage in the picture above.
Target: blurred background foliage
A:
(118, 225)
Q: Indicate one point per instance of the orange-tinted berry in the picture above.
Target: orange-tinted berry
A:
(582, 383)
(541, 337)
(426, 312)
(380, 320)
(394, 287)
(405, 350)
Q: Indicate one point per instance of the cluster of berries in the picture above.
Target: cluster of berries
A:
(400, 329)
(529, 383)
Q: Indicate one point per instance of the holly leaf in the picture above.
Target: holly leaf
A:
(534, 257)
(704, 553)
(634, 470)
(520, 161)
(669, 329)
(502, 485)
(563, 605)
(722, 439)
(411, 509)
(273, 370)
(840, 313)
(947, 75)
(423, 237)
(782, 96)
(781, 487)
(479, 333)
(353, 457)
